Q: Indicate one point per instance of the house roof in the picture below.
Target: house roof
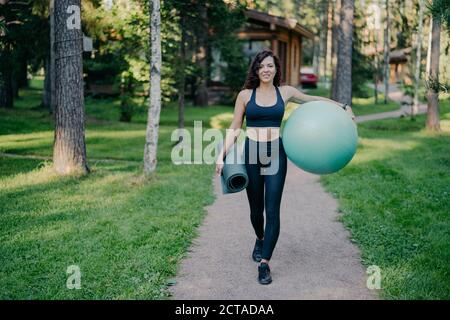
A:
(273, 21)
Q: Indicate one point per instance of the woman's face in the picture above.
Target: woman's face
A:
(267, 70)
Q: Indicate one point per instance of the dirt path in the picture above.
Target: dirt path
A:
(397, 96)
(314, 257)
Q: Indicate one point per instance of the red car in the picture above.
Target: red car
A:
(307, 77)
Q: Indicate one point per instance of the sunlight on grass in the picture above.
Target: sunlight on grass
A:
(45, 232)
(372, 149)
(221, 121)
(445, 125)
(41, 175)
(33, 140)
(126, 134)
(371, 146)
(368, 101)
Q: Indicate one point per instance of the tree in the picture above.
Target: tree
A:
(335, 47)
(201, 95)
(69, 149)
(374, 26)
(440, 11)
(151, 139)
(23, 44)
(344, 58)
(362, 66)
(387, 38)
(418, 60)
(223, 21)
(14, 32)
(50, 91)
(433, 77)
(181, 94)
(320, 41)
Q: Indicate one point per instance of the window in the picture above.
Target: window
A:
(252, 47)
(217, 66)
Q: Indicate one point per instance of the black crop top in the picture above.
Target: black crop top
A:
(260, 116)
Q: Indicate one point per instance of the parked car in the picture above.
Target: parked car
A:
(307, 77)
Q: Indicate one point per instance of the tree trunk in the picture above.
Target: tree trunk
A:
(328, 56)
(326, 5)
(15, 84)
(69, 149)
(151, 139)
(22, 76)
(433, 78)
(344, 63)
(316, 54)
(3, 101)
(386, 53)
(181, 93)
(323, 39)
(201, 96)
(6, 90)
(19, 78)
(376, 64)
(52, 58)
(430, 37)
(335, 48)
(46, 96)
(415, 107)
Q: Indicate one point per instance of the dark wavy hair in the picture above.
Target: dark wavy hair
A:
(252, 80)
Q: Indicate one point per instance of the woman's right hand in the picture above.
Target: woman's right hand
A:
(219, 168)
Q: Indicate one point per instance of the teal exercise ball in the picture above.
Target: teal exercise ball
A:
(320, 137)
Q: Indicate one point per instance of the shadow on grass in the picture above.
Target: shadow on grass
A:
(125, 233)
(11, 166)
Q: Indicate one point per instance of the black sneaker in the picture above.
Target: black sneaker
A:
(264, 274)
(257, 251)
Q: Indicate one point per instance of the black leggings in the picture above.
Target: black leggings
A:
(266, 164)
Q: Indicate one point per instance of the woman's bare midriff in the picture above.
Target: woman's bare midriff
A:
(263, 133)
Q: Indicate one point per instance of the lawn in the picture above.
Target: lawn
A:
(361, 105)
(127, 234)
(394, 198)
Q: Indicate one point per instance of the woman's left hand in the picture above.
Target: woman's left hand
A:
(350, 112)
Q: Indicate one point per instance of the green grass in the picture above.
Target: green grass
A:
(364, 106)
(125, 233)
(394, 198)
(361, 106)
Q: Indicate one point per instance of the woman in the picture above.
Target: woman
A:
(262, 101)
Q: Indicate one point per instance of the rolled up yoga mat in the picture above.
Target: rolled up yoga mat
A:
(234, 176)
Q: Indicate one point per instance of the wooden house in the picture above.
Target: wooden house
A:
(264, 31)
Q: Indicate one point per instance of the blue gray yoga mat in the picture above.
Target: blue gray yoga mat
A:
(234, 174)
